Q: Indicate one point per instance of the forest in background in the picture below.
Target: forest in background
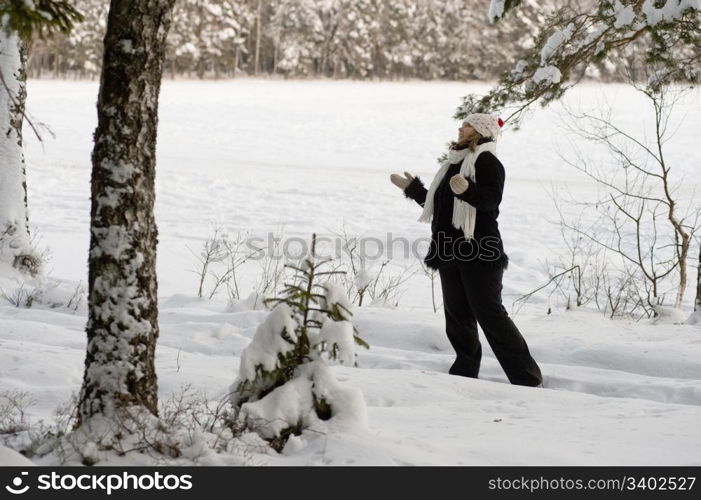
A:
(355, 39)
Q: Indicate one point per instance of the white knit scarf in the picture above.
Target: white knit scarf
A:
(464, 214)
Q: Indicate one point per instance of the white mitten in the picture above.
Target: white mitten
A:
(401, 182)
(459, 184)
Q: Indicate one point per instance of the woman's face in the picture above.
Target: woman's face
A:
(465, 131)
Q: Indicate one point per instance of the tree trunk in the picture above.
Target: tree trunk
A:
(122, 324)
(15, 247)
(276, 55)
(697, 303)
(57, 63)
(256, 56)
(695, 318)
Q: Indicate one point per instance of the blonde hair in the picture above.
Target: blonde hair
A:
(470, 142)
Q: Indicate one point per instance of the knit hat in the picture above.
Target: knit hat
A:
(487, 125)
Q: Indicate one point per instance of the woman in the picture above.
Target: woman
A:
(462, 205)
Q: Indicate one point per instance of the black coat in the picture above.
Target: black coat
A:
(448, 244)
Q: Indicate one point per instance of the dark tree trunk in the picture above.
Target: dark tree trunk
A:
(122, 324)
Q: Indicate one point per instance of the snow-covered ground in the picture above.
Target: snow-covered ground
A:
(251, 155)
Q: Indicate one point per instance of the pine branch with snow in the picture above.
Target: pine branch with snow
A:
(499, 8)
(42, 17)
(574, 38)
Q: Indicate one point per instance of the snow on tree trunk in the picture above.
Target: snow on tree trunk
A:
(695, 318)
(122, 324)
(697, 304)
(15, 245)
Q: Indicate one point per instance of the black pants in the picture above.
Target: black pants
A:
(471, 295)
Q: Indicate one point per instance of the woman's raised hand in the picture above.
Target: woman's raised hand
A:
(401, 182)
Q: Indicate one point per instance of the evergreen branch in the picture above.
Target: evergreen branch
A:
(572, 40)
(361, 342)
(330, 272)
(298, 269)
(41, 17)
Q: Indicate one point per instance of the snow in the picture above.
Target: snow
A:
(554, 42)
(695, 318)
(293, 403)
(667, 314)
(518, 69)
(496, 10)
(349, 412)
(334, 294)
(286, 406)
(127, 46)
(339, 335)
(616, 392)
(547, 74)
(363, 279)
(671, 10)
(268, 343)
(625, 14)
(10, 458)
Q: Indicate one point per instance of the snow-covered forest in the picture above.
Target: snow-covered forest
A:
(210, 270)
(375, 39)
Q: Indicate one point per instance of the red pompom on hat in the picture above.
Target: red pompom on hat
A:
(500, 122)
